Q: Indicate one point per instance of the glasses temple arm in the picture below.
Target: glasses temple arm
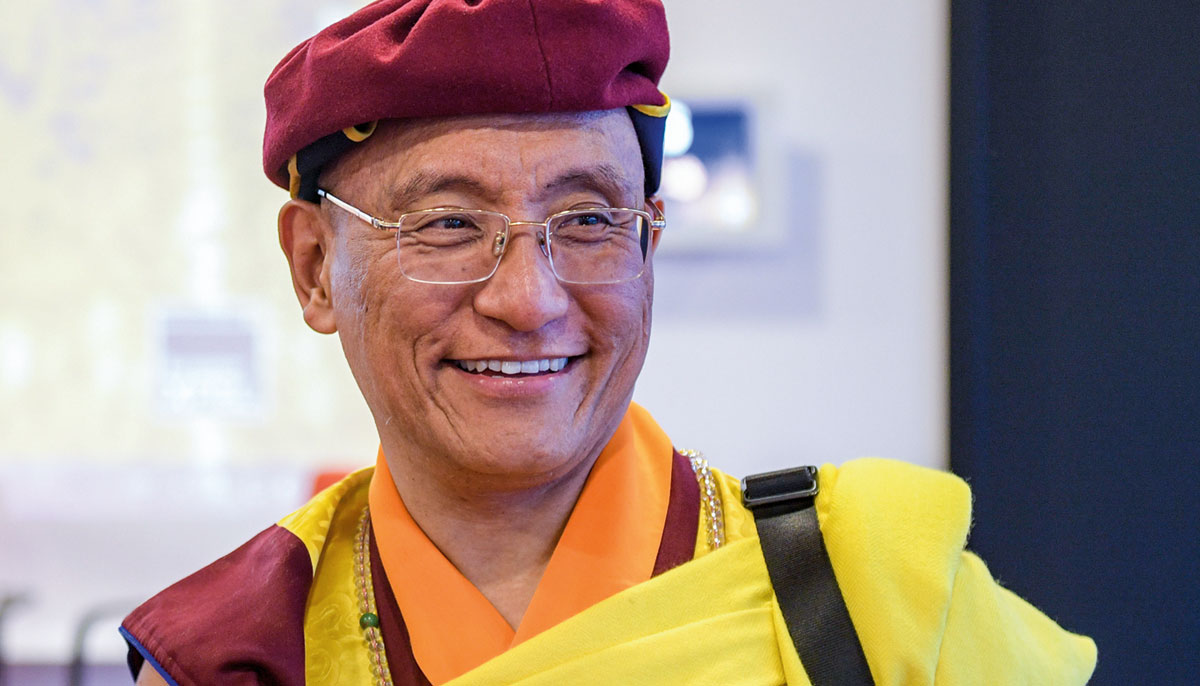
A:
(321, 192)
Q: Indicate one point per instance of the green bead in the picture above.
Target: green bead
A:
(369, 619)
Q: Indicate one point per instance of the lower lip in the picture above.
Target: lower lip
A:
(504, 386)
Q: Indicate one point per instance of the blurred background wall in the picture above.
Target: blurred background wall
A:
(161, 399)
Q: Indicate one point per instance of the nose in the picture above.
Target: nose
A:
(523, 293)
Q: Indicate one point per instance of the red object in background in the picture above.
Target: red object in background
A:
(325, 479)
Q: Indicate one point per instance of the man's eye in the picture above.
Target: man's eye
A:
(443, 222)
(451, 223)
(589, 219)
(595, 228)
(441, 230)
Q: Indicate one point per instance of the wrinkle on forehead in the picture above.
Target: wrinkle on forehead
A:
(604, 178)
(390, 184)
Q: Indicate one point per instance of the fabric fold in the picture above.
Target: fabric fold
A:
(720, 605)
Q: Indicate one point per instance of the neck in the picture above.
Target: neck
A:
(500, 537)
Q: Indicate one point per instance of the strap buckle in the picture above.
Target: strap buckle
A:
(796, 486)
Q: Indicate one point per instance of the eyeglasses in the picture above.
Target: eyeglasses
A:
(596, 245)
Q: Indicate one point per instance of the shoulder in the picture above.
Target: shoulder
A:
(883, 517)
(895, 534)
(926, 610)
(245, 611)
(874, 501)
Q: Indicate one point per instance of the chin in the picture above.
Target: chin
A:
(529, 471)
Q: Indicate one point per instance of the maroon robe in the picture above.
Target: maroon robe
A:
(240, 620)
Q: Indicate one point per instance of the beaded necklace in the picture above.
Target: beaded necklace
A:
(368, 621)
(714, 516)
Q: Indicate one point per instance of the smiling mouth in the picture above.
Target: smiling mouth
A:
(548, 365)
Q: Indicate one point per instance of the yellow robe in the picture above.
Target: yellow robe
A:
(926, 611)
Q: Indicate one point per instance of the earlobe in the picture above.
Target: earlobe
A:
(305, 237)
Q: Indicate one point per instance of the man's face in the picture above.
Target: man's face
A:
(405, 340)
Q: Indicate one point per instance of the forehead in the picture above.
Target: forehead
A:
(500, 154)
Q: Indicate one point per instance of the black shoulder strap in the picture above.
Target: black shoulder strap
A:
(807, 590)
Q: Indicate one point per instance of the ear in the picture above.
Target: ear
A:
(306, 238)
(655, 203)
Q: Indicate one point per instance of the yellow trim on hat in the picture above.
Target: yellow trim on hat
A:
(655, 110)
(293, 178)
(359, 135)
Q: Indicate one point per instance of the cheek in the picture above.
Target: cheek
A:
(622, 320)
(647, 302)
(354, 269)
(641, 299)
(364, 284)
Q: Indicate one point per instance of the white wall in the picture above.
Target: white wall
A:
(851, 361)
(829, 346)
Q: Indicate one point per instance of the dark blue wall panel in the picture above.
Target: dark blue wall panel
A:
(1075, 315)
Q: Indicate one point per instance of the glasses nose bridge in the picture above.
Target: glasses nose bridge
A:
(541, 236)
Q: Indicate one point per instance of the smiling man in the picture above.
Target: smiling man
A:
(473, 215)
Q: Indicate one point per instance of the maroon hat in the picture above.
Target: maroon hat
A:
(430, 58)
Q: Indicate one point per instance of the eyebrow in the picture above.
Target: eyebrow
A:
(603, 178)
(425, 183)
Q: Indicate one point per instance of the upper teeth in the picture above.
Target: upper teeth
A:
(552, 364)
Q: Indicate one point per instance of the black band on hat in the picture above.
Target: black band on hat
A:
(650, 124)
(305, 166)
